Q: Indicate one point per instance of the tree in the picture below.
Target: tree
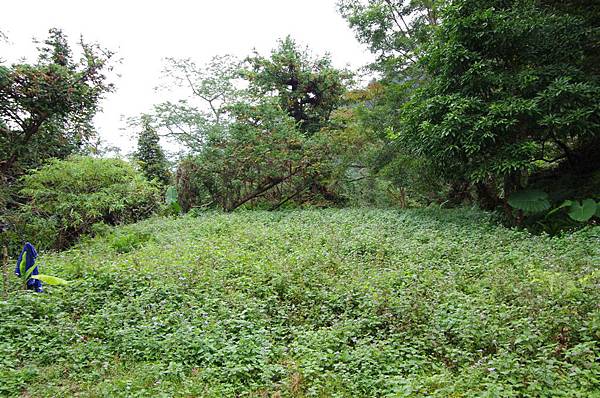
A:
(263, 158)
(479, 91)
(396, 32)
(203, 113)
(252, 138)
(150, 154)
(512, 89)
(46, 108)
(309, 89)
(392, 29)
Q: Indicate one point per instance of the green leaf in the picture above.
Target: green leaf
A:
(29, 272)
(531, 201)
(175, 207)
(566, 203)
(582, 212)
(51, 280)
(171, 195)
(23, 264)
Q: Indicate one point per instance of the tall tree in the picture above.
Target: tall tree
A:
(150, 154)
(202, 113)
(513, 88)
(46, 108)
(484, 92)
(309, 89)
(396, 32)
(256, 132)
(392, 29)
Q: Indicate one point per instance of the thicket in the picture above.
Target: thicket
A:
(261, 132)
(472, 102)
(66, 199)
(46, 112)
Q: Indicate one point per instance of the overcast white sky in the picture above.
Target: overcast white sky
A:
(144, 32)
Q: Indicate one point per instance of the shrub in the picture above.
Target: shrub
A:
(66, 197)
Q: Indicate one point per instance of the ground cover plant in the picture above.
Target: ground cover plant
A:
(309, 303)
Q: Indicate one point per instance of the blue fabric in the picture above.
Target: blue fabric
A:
(34, 284)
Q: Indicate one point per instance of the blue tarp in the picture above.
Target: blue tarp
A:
(34, 284)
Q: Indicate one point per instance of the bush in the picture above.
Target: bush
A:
(66, 197)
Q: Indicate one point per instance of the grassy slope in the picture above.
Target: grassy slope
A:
(312, 303)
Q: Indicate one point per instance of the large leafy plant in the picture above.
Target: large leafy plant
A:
(172, 202)
(531, 201)
(536, 201)
(580, 211)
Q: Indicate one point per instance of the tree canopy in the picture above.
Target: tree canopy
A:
(255, 131)
(150, 154)
(492, 96)
(46, 108)
(309, 89)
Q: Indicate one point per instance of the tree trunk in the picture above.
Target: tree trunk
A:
(511, 184)
(487, 197)
(459, 192)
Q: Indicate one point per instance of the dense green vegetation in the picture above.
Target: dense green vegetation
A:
(470, 102)
(46, 107)
(470, 106)
(355, 303)
(68, 198)
(150, 154)
(46, 112)
(260, 132)
(488, 96)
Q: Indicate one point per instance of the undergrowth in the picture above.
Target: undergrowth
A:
(313, 303)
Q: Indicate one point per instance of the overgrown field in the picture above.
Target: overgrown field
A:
(341, 303)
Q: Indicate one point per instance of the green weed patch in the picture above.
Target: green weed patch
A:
(314, 303)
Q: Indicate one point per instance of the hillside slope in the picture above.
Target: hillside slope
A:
(346, 303)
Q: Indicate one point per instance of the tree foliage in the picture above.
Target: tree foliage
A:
(203, 112)
(256, 131)
(394, 30)
(309, 89)
(264, 161)
(503, 96)
(150, 154)
(498, 90)
(66, 197)
(262, 151)
(46, 108)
